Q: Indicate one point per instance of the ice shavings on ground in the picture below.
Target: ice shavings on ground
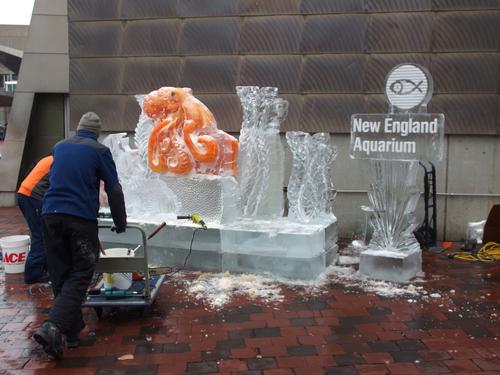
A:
(351, 278)
(217, 289)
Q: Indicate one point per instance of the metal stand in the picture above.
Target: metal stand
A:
(142, 295)
(426, 234)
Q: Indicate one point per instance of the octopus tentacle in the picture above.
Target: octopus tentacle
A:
(204, 148)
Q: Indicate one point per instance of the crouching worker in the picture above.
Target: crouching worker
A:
(29, 197)
(69, 216)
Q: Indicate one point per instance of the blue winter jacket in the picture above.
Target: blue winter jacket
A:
(80, 162)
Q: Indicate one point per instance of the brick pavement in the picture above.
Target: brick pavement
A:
(343, 331)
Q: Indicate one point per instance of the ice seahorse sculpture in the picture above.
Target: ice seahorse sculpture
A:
(310, 189)
(261, 158)
(185, 138)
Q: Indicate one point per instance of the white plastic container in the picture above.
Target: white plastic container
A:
(14, 252)
(121, 281)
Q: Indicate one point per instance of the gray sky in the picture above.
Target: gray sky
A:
(16, 12)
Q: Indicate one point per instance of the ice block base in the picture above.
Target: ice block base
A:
(391, 266)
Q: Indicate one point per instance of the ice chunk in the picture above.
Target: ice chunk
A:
(310, 189)
(391, 265)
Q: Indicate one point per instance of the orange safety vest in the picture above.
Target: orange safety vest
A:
(37, 181)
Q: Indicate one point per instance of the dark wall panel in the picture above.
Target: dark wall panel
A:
(329, 58)
(142, 75)
(148, 9)
(95, 39)
(295, 108)
(96, 76)
(327, 112)
(334, 33)
(93, 9)
(152, 37)
(375, 104)
(334, 73)
(226, 109)
(467, 114)
(466, 73)
(465, 4)
(397, 5)
(197, 8)
(399, 32)
(280, 71)
(248, 7)
(278, 34)
(110, 108)
(330, 6)
(210, 74)
(209, 36)
(467, 31)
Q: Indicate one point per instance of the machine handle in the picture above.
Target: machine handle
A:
(156, 230)
(195, 218)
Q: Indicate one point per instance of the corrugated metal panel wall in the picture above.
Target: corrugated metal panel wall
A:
(329, 58)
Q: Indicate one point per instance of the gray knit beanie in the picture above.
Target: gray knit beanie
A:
(90, 122)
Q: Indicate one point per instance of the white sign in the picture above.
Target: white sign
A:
(408, 86)
(401, 136)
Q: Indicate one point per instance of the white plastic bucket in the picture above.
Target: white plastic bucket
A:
(14, 252)
(121, 281)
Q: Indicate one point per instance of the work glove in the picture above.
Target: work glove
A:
(116, 229)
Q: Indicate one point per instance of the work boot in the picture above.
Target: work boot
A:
(49, 336)
(72, 340)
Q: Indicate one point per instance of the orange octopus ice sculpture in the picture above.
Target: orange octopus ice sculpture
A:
(185, 138)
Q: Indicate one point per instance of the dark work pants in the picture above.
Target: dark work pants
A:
(35, 262)
(72, 252)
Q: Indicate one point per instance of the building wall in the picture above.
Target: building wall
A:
(44, 69)
(328, 58)
(14, 36)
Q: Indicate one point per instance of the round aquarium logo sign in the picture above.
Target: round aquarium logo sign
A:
(408, 86)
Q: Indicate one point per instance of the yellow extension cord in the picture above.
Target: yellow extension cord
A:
(488, 253)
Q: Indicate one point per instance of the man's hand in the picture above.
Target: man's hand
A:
(116, 229)
(101, 249)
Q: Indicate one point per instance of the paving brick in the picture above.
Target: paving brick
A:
(341, 370)
(301, 350)
(267, 332)
(349, 359)
(231, 344)
(201, 367)
(261, 363)
(458, 365)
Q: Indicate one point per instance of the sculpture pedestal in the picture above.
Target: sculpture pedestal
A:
(276, 248)
(391, 266)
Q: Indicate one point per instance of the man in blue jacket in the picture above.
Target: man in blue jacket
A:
(69, 216)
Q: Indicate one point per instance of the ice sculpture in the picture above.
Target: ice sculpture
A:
(185, 139)
(393, 196)
(146, 196)
(261, 158)
(310, 189)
